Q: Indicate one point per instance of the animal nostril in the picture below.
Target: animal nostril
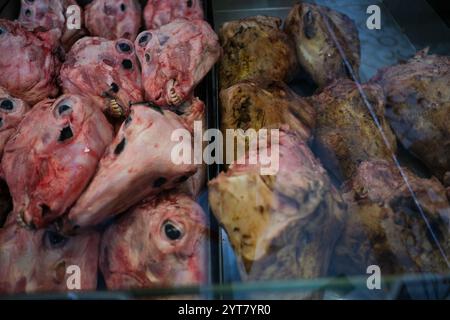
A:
(120, 147)
(66, 133)
(1, 122)
(28, 12)
(123, 7)
(189, 3)
(147, 57)
(114, 87)
(159, 182)
(127, 64)
(45, 209)
(7, 105)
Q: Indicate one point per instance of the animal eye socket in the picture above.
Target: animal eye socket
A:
(7, 105)
(124, 47)
(54, 240)
(145, 39)
(171, 231)
(63, 108)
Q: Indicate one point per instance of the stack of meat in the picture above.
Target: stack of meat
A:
(85, 127)
(297, 224)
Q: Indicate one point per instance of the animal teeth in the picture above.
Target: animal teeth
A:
(115, 109)
(174, 98)
(21, 222)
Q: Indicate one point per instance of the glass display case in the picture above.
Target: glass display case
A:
(348, 106)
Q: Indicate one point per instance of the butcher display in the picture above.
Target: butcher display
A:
(53, 155)
(160, 12)
(12, 111)
(418, 108)
(387, 223)
(29, 66)
(38, 261)
(46, 15)
(137, 165)
(161, 243)
(346, 132)
(105, 71)
(113, 19)
(326, 41)
(281, 226)
(255, 48)
(175, 58)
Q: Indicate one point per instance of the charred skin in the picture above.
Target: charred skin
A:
(282, 226)
(265, 104)
(418, 108)
(255, 48)
(385, 227)
(346, 133)
(309, 26)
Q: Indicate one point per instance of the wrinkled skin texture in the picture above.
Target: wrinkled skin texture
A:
(36, 261)
(265, 104)
(28, 63)
(346, 133)
(46, 15)
(105, 71)
(309, 26)
(418, 108)
(113, 19)
(385, 227)
(12, 111)
(175, 58)
(160, 12)
(255, 48)
(137, 165)
(282, 226)
(51, 158)
(161, 243)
